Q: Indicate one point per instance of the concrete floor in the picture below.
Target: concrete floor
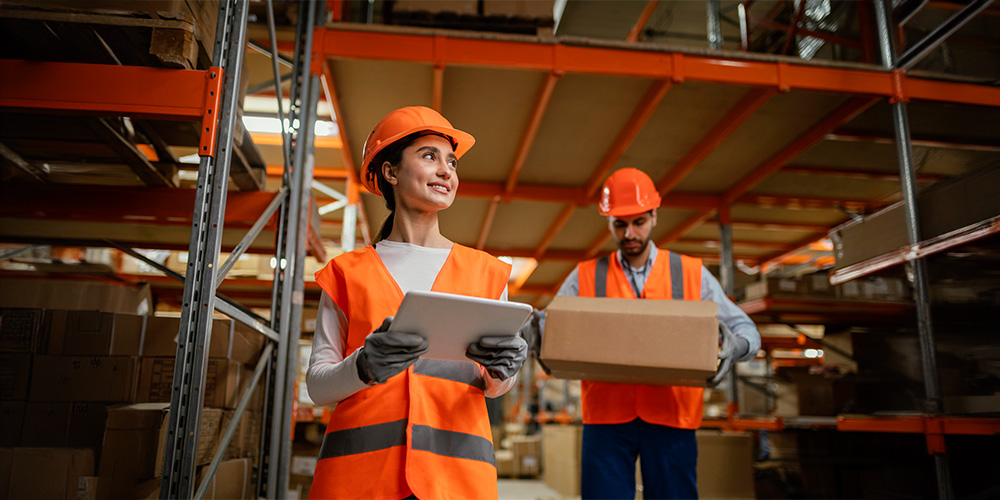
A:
(525, 489)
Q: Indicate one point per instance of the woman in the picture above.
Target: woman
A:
(406, 427)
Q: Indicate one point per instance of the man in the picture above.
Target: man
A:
(626, 421)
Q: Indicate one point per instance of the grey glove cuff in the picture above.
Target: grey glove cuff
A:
(364, 370)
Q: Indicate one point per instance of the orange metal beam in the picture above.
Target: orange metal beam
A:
(541, 104)
(484, 232)
(342, 42)
(330, 90)
(742, 111)
(784, 254)
(930, 142)
(854, 174)
(778, 226)
(803, 203)
(852, 108)
(438, 87)
(320, 173)
(155, 93)
(125, 204)
(275, 140)
(640, 115)
(689, 224)
(633, 35)
(554, 229)
(738, 243)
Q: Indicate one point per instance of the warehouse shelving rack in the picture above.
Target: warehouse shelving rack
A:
(767, 76)
(210, 97)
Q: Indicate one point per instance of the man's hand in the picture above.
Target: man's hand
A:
(501, 356)
(733, 348)
(532, 333)
(387, 353)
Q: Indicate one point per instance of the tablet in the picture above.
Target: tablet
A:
(451, 322)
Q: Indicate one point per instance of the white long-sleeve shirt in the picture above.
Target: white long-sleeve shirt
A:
(729, 313)
(332, 377)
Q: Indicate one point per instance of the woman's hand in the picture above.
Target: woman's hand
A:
(501, 356)
(387, 353)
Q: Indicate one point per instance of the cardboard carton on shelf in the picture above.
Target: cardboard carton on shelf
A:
(774, 286)
(91, 333)
(77, 424)
(15, 372)
(527, 455)
(50, 473)
(561, 449)
(11, 419)
(725, 465)
(659, 342)
(230, 339)
(231, 480)
(109, 379)
(505, 463)
(222, 382)
(134, 439)
(76, 295)
(19, 329)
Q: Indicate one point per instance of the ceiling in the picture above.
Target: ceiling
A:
(789, 147)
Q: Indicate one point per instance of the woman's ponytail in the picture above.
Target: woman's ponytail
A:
(393, 154)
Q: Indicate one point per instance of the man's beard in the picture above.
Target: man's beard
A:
(632, 250)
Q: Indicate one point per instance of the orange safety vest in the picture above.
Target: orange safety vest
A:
(673, 276)
(425, 431)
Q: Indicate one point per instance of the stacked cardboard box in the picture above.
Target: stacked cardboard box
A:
(817, 286)
(561, 449)
(527, 455)
(75, 357)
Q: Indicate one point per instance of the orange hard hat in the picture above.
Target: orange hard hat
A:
(401, 123)
(628, 191)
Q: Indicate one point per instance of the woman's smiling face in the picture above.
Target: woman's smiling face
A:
(427, 177)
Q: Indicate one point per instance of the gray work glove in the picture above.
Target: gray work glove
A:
(532, 334)
(501, 356)
(387, 353)
(733, 348)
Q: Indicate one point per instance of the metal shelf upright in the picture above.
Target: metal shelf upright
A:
(210, 97)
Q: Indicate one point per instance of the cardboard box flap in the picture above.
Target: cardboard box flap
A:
(137, 416)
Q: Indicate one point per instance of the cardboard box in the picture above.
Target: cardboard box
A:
(49, 473)
(109, 379)
(505, 463)
(15, 372)
(944, 207)
(231, 480)
(774, 286)
(542, 9)
(79, 425)
(222, 382)
(133, 445)
(468, 7)
(246, 440)
(11, 420)
(725, 465)
(527, 455)
(91, 333)
(19, 329)
(561, 449)
(76, 295)
(660, 342)
(230, 340)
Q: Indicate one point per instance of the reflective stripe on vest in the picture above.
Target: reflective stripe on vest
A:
(673, 276)
(676, 277)
(425, 432)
